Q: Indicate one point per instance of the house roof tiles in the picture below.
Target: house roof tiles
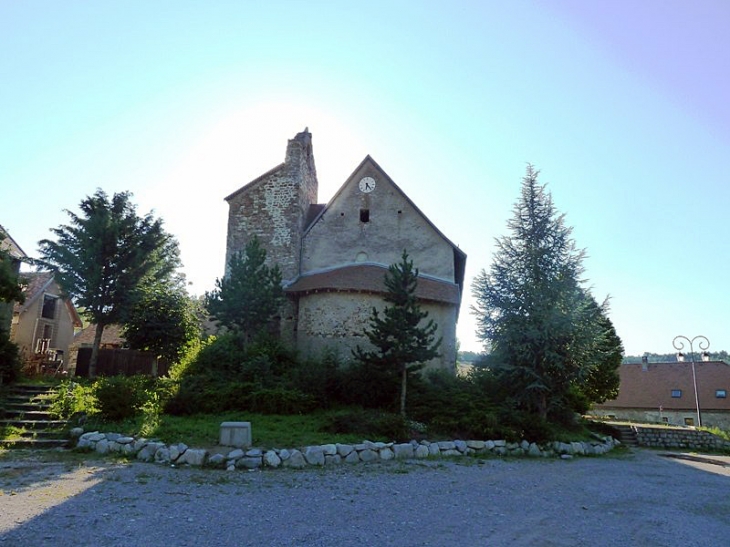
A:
(650, 386)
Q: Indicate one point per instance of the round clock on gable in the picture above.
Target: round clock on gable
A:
(367, 184)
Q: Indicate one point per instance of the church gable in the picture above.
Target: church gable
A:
(371, 220)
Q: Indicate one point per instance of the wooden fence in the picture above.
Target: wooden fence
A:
(124, 362)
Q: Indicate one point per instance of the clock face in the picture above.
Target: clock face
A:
(367, 184)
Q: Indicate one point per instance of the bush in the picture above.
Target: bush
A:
(73, 398)
(122, 397)
(9, 359)
(280, 401)
(370, 424)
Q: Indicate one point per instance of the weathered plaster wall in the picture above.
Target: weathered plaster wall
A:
(339, 237)
(337, 320)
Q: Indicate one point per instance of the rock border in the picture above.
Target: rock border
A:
(150, 450)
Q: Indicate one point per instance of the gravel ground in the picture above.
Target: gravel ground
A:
(641, 498)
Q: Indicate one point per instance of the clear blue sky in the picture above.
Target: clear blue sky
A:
(622, 105)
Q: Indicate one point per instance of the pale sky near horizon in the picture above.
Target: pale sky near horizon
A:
(622, 105)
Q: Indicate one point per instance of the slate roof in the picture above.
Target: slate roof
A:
(369, 278)
(650, 386)
(112, 336)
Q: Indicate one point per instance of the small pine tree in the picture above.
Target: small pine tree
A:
(248, 298)
(401, 343)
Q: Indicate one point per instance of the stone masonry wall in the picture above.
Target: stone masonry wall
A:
(328, 454)
(337, 320)
(275, 207)
(666, 437)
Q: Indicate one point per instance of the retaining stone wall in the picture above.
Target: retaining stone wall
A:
(662, 437)
(327, 454)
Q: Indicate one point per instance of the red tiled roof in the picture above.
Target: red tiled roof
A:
(369, 278)
(651, 386)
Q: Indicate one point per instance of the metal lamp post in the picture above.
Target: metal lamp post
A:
(703, 344)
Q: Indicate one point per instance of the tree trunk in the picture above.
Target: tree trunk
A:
(404, 375)
(542, 405)
(95, 349)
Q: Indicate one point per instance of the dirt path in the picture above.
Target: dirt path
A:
(638, 499)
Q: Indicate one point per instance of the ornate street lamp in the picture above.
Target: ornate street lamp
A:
(703, 344)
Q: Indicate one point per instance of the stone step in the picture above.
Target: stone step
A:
(627, 435)
(40, 444)
(33, 415)
(26, 406)
(33, 424)
(30, 390)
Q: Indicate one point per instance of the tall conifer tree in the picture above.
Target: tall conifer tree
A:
(540, 325)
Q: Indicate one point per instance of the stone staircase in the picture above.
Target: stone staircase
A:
(25, 408)
(627, 435)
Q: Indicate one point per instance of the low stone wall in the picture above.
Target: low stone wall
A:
(327, 454)
(666, 437)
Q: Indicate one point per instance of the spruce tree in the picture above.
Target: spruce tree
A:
(402, 342)
(105, 255)
(533, 314)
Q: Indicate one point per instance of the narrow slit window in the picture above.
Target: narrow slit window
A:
(364, 215)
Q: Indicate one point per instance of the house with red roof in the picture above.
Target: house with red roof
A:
(665, 393)
(334, 256)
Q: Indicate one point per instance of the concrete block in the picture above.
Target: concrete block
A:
(236, 434)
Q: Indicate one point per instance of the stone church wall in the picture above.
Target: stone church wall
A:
(337, 321)
(340, 237)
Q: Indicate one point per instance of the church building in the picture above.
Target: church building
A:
(333, 257)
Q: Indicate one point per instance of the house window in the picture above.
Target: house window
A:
(364, 215)
(721, 393)
(49, 307)
(665, 419)
(676, 393)
(689, 421)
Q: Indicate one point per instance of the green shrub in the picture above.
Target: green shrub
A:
(73, 398)
(370, 424)
(280, 401)
(122, 397)
(9, 359)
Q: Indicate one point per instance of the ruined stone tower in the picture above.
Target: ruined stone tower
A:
(275, 207)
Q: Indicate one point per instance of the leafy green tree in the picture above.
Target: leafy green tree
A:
(248, 298)
(531, 309)
(105, 255)
(402, 343)
(10, 289)
(162, 319)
